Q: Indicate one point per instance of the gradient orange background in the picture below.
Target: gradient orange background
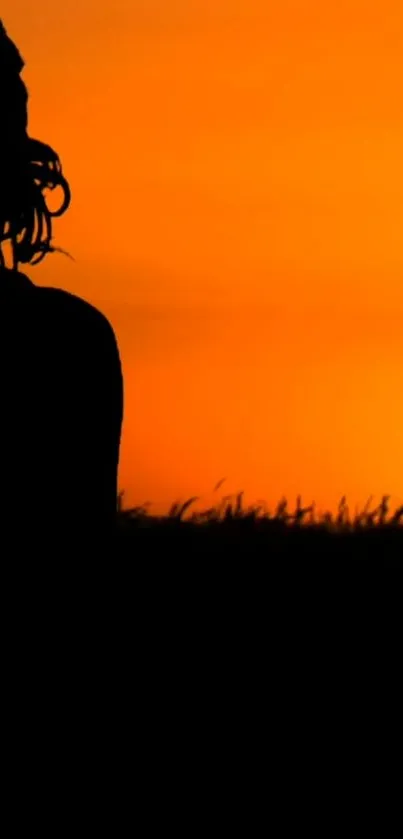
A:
(237, 178)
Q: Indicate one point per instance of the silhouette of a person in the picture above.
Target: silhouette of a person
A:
(61, 391)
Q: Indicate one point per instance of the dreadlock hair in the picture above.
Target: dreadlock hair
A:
(27, 169)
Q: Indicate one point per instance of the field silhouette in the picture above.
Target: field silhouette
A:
(232, 530)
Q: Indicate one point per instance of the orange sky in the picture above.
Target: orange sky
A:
(237, 177)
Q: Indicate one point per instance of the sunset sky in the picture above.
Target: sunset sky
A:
(237, 178)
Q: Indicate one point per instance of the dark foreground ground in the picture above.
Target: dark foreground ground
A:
(190, 625)
(229, 532)
(166, 541)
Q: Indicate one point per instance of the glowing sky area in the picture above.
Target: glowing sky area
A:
(237, 177)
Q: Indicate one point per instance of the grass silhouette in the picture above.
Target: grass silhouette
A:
(230, 529)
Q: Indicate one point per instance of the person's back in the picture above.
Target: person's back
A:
(61, 410)
(60, 375)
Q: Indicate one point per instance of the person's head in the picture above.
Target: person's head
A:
(27, 168)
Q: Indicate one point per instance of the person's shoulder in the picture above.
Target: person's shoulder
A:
(70, 306)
